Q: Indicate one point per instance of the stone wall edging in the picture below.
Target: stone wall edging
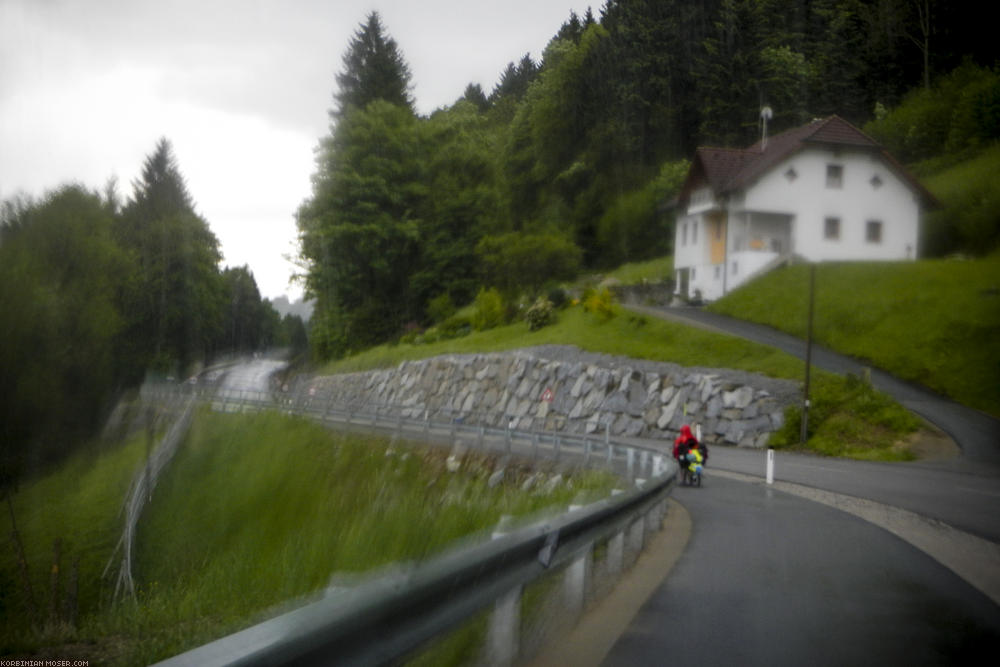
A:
(561, 388)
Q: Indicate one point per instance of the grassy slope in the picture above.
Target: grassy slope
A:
(936, 322)
(254, 512)
(652, 270)
(79, 504)
(627, 335)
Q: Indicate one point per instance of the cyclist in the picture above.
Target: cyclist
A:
(690, 453)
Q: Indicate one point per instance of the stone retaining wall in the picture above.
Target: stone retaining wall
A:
(557, 388)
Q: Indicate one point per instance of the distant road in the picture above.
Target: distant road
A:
(253, 375)
(977, 433)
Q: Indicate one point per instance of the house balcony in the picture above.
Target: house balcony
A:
(701, 200)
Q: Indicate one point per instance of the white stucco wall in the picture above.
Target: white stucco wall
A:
(855, 203)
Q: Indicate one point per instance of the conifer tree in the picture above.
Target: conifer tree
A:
(374, 69)
(175, 307)
(358, 229)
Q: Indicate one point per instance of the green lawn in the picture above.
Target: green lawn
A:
(936, 322)
(653, 270)
(254, 513)
(626, 334)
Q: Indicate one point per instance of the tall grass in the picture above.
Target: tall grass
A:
(936, 322)
(78, 504)
(256, 513)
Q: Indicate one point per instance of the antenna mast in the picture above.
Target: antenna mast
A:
(765, 115)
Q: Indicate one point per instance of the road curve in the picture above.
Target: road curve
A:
(977, 433)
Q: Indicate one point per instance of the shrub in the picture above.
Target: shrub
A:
(489, 310)
(847, 416)
(440, 308)
(455, 326)
(599, 302)
(558, 297)
(542, 313)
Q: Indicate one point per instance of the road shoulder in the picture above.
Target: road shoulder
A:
(972, 558)
(590, 641)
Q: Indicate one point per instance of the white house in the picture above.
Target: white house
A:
(824, 191)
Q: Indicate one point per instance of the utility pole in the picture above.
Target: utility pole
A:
(809, 344)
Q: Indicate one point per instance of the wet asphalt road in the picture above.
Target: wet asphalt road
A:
(251, 375)
(771, 579)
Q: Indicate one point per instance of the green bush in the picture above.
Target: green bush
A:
(600, 303)
(440, 308)
(455, 326)
(969, 218)
(960, 112)
(848, 417)
(542, 313)
(558, 297)
(488, 310)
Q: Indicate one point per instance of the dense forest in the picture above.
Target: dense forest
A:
(95, 293)
(566, 163)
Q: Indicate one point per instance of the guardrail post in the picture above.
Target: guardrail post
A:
(575, 583)
(611, 452)
(534, 446)
(508, 435)
(630, 463)
(503, 634)
(659, 465)
(575, 579)
(636, 535)
(616, 553)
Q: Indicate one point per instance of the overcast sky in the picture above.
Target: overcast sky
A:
(240, 87)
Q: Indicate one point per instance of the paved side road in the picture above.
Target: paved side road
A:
(977, 433)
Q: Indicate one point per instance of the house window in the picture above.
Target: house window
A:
(834, 176)
(734, 268)
(873, 231)
(684, 234)
(831, 229)
(694, 232)
(718, 272)
(876, 181)
(692, 273)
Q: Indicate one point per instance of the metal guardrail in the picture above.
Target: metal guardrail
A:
(390, 616)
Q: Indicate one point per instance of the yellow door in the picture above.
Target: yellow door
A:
(717, 235)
